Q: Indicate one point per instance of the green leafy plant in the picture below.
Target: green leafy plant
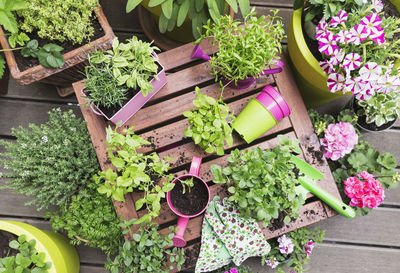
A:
(146, 252)
(28, 259)
(50, 162)
(299, 257)
(81, 220)
(61, 20)
(186, 183)
(134, 170)
(127, 65)
(175, 12)
(209, 123)
(244, 51)
(50, 56)
(381, 108)
(262, 183)
(325, 8)
(7, 17)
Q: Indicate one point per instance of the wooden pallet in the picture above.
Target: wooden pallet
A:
(161, 122)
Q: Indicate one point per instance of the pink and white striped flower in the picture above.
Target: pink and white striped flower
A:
(377, 5)
(340, 18)
(335, 82)
(370, 72)
(337, 57)
(322, 29)
(358, 34)
(343, 36)
(377, 35)
(352, 61)
(361, 89)
(327, 44)
(371, 22)
(354, 85)
(327, 66)
(389, 83)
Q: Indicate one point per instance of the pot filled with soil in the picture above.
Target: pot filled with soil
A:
(189, 198)
(261, 114)
(58, 251)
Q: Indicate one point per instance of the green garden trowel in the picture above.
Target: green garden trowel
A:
(308, 184)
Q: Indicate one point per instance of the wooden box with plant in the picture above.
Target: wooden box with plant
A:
(180, 21)
(121, 80)
(77, 27)
(162, 124)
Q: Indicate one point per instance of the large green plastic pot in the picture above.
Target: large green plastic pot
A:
(61, 254)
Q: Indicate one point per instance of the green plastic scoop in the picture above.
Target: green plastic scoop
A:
(308, 184)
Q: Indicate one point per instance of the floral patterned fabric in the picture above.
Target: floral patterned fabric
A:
(240, 237)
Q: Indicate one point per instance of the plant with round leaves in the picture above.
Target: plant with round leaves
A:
(147, 251)
(50, 56)
(263, 182)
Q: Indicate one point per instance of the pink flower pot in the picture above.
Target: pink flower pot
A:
(135, 103)
(184, 219)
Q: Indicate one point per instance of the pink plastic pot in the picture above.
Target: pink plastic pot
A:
(274, 102)
(198, 53)
(135, 103)
(184, 219)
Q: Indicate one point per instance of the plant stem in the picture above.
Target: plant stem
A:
(11, 49)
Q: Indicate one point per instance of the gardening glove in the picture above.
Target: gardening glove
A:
(242, 237)
(213, 253)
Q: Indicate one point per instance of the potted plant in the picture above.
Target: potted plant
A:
(303, 50)
(182, 20)
(44, 250)
(261, 114)
(120, 81)
(378, 113)
(244, 51)
(134, 171)
(72, 24)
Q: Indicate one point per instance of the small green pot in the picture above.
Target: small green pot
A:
(61, 254)
(253, 121)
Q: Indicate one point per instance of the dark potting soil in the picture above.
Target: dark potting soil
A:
(26, 63)
(111, 111)
(317, 155)
(390, 10)
(278, 222)
(362, 121)
(5, 239)
(193, 201)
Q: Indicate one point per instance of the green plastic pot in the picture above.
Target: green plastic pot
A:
(61, 254)
(253, 121)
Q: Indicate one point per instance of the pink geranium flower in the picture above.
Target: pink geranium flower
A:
(364, 191)
(335, 82)
(327, 44)
(358, 34)
(371, 71)
(339, 140)
(371, 22)
(352, 61)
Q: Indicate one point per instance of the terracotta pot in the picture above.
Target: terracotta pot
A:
(71, 71)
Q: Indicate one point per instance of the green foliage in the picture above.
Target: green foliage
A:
(381, 108)
(262, 183)
(146, 252)
(27, 259)
(244, 51)
(90, 218)
(175, 12)
(50, 56)
(112, 72)
(61, 20)
(18, 38)
(134, 170)
(326, 8)
(209, 123)
(7, 17)
(50, 162)
(186, 183)
(240, 269)
(300, 237)
(2, 66)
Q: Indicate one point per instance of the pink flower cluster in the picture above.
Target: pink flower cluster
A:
(364, 190)
(233, 270)
(349, 72)
(309, 247)
(286, 245)
(339, 140)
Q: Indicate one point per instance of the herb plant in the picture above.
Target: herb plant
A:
(262, 183)
(209, 123)
(132, 64)
(27, 259)
(174, 12)
(134, 170)
(302, 241)
(90, 219)
(60, 20)
(380, 108)
(7, 17)
(186, 183)
(244, 51)
(50, 162)
(146, 252)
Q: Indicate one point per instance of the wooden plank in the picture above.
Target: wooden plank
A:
(385, 142)
(392, 196)
(14, 113)
(304, 130)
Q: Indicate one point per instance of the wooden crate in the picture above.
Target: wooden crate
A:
(161, 122)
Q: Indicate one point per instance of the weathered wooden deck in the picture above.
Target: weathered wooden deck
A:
(366, 244)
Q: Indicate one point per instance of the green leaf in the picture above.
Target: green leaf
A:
(2, 66)
(7, 20)
(387, 160)
(136, 237)
(163, 23)
(233, 5)
(153, 3)
(213, 10)
(14, 244)
(244, 7)
(199, 4)
(132, 4)
(167, 8)
(183, 11)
